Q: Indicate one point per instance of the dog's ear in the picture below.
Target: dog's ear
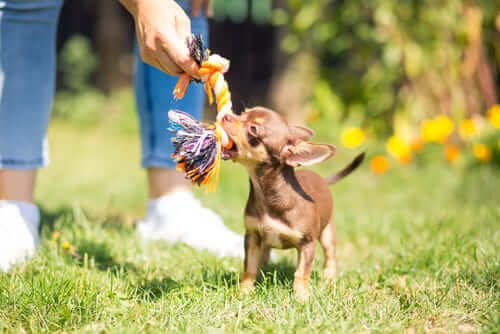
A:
(300, 133)
(255, 130)
(307, 154)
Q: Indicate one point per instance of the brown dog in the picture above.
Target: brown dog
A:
(285, 208)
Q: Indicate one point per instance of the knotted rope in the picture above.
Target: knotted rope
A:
(199, 147)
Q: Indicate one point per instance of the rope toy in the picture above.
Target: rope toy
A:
(200, 147)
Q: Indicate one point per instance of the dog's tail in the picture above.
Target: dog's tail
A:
(347, 170)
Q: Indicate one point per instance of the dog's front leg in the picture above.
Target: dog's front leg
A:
(303, 272)
(253, 254)
(265, 256)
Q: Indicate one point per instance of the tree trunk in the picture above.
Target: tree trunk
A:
(112, 34)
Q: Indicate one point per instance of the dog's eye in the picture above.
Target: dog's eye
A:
(253, 141)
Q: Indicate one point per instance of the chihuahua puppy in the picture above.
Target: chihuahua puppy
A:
(285, 208)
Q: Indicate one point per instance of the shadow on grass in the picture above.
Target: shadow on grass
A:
(100, 254)
(215, 279)
(101, 257)
(485, 280)
(277, 273)
(157, 287)
(49, 218)
(73, 215)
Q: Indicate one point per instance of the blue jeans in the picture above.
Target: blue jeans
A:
(27, 80)
(153, 91)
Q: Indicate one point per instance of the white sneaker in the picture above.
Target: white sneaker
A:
(18, 232)
(179, 217)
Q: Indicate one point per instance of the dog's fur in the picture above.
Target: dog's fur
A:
(285, 208)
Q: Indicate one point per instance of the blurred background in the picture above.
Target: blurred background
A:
(373, 63)
(372, 60)
(408, 81)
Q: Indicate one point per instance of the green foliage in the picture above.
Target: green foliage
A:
(387, 57)
(238, 11)
(78, 100)
(77, 63)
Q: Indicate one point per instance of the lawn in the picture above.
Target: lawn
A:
(417, 252)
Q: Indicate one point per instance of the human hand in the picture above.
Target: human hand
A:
(162, 30)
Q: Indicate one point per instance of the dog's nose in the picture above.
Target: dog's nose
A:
(228, 118)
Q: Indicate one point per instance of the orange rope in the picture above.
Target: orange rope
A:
(212, 75)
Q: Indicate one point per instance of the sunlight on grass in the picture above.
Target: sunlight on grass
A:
(417, 251)
(97, 168)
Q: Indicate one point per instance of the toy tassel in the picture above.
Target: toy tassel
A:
(199, 147)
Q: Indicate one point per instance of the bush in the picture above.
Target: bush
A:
(78, 100)
(77, 63)
(387, 59)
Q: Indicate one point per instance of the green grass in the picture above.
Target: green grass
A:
(417, 252)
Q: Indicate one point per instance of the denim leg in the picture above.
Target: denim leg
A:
(27, 73)
(153, 90)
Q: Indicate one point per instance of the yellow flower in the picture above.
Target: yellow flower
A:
(468, 128)
(445, 127)
(399, 148)
(353, 137)
(379, 164)
(66, 245)
(482, 152)
(494, 116)
(427, 130)
(437, 129)
(451, 153)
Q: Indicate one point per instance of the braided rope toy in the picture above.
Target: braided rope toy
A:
(200, 147)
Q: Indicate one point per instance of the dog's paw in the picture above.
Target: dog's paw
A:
(302, 295)
(301, 290)
(247, 287)
(329, 275)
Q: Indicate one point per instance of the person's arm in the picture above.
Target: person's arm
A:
(162, 30)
